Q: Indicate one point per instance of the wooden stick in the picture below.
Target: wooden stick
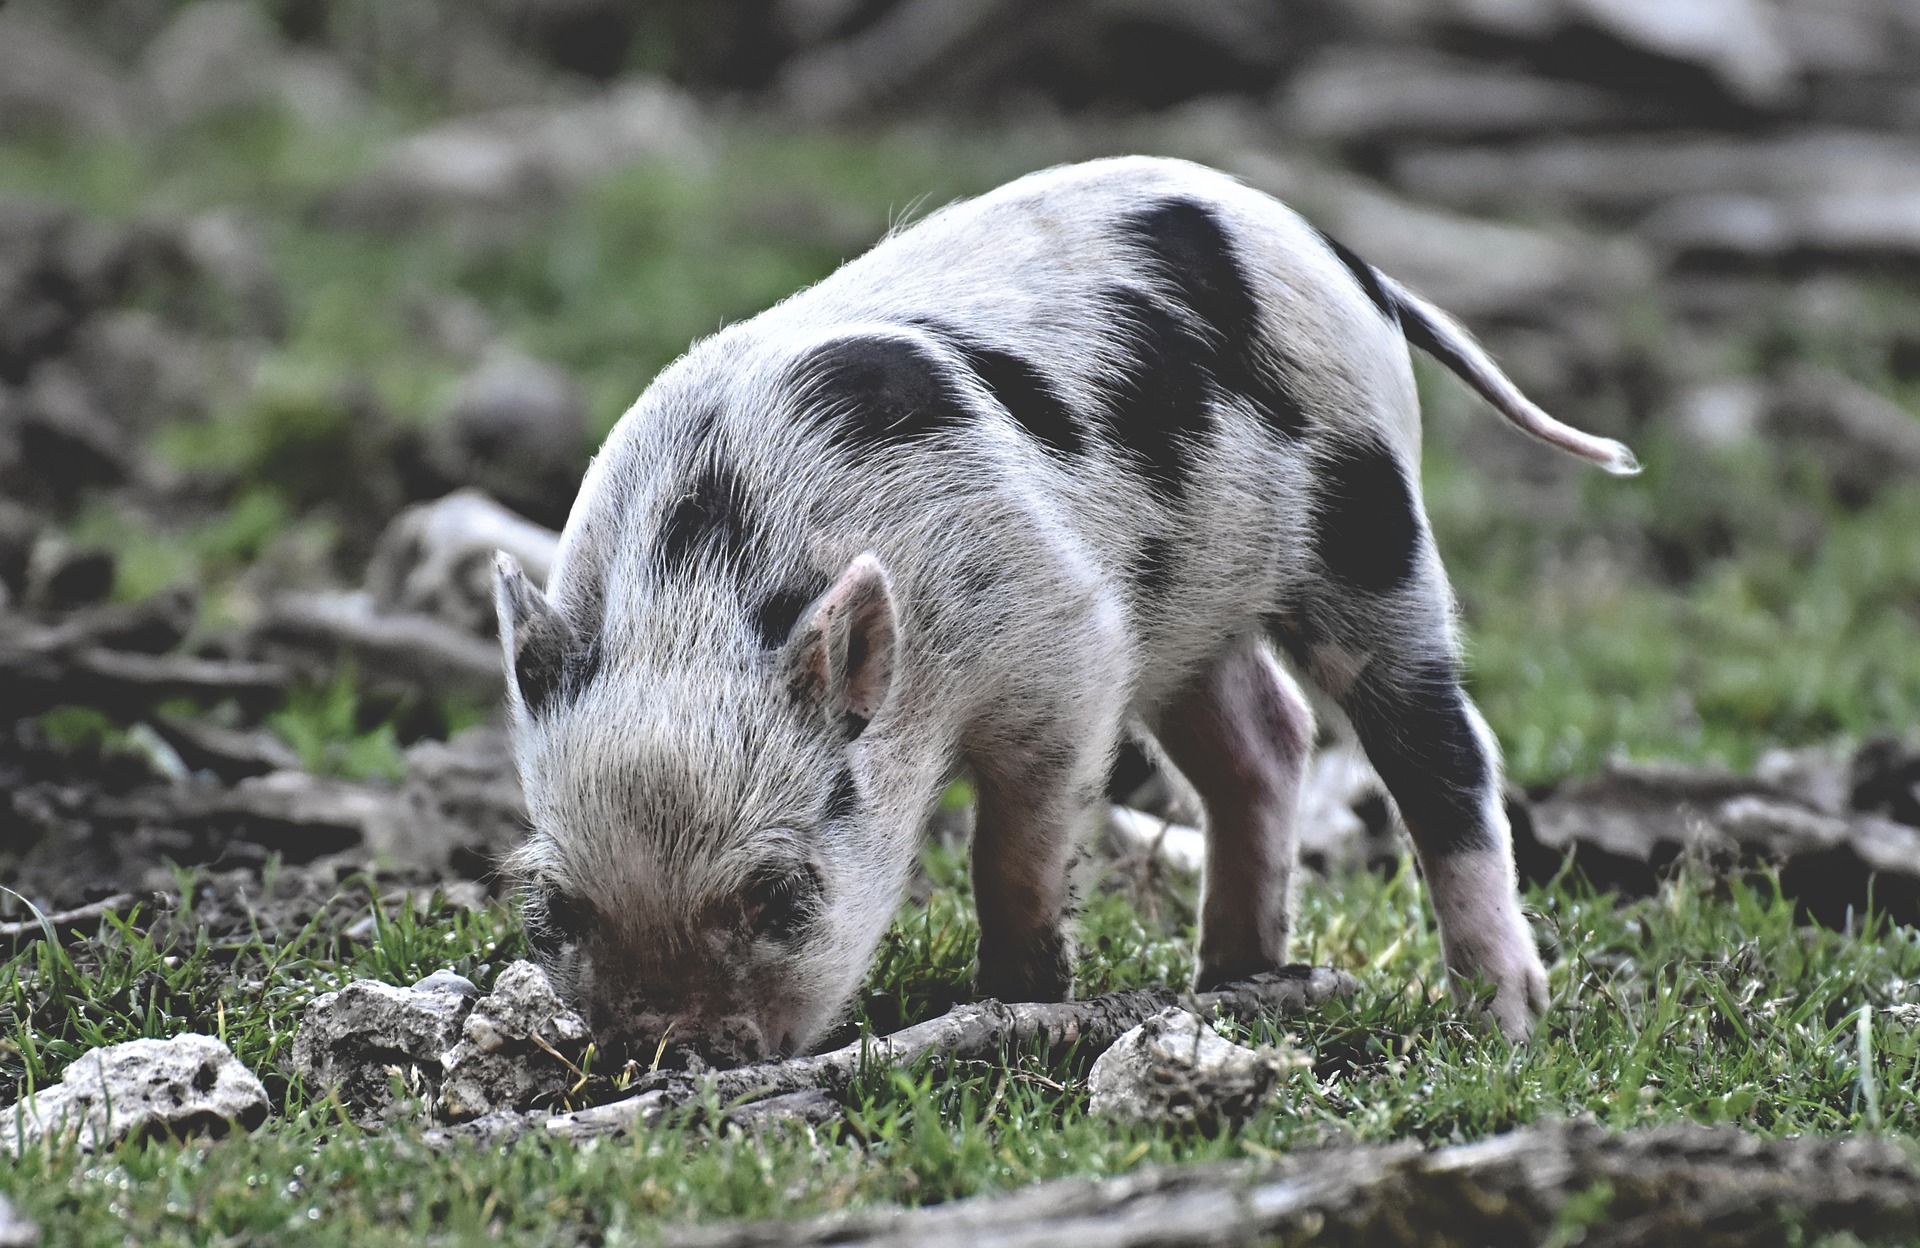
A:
(1685, 1185)
(967, 1033)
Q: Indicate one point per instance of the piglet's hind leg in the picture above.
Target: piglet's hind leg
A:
(1241, 737)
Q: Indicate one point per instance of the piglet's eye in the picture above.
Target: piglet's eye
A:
(778, 904)
(556, 920)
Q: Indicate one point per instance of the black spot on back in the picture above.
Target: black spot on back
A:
(1416, 731)
(1152, 568)
(844, 799)
(1018, 386)
(1363, 273)
(1366, 531)
(1196, 261)
(711, 518)
(877, 390)
(1161, 401)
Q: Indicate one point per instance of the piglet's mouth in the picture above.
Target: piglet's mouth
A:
(681, 1048)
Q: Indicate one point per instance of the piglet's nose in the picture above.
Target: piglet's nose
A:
(726, 1042)
(694, 1043)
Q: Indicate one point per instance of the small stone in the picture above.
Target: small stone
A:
(16, 1231)
(520, 1046)
(354, 1042)
(183, 1086)
(1175, 1069)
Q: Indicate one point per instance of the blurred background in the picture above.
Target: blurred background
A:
(272, 272)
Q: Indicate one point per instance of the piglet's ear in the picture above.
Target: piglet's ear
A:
(841, 655)
(536, 638)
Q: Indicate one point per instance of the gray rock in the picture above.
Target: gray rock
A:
(53, 83)
(1741, 43)
(146, 372)
(461, 795)
(1345, 822)
(458, 796)
(495, 168)
(638, 1111)
(519, 1048)
(1635, 173)
(184, 1086)
(1627, 827)
(353, 1043)
(215, 56)
(1865, 441)
(1361, 94)
(16, 1231)
(1861, 223)
(229, 249)
(517, 428)
(1175, 1069)
(1862, 41)
(437, 558)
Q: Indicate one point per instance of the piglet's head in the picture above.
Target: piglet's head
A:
(708, 869)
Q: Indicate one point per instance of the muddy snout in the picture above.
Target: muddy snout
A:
(680, 1040)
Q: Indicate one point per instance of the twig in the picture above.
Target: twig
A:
(24, 931)
(966, 1033)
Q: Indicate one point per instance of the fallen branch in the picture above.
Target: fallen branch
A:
(127, 683)
(966, 1033)
(63, 922)
(1688, 1186)
(417, 650)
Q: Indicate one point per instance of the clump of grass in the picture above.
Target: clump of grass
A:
(324, 726)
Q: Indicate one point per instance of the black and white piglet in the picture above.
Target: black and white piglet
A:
(1060, 463)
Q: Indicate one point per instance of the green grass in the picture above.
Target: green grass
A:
(1708, 1002)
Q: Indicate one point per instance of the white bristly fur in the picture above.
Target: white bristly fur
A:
(681, 762)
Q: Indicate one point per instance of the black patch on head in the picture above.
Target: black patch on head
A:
(1416, 731)
(774, 619)
(1161, 402)
(1151, 569)
(1196, 261)
(711, 518)
(1367, 530)
(1017, 386)
(844, 799)
(1365, 274)
(874, 391)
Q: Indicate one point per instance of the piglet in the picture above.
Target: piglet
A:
(1074, 460)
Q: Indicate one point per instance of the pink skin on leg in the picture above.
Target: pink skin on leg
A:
(1476, 898)
(1241, 737)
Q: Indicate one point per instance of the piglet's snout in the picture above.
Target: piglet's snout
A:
(680, 1041)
